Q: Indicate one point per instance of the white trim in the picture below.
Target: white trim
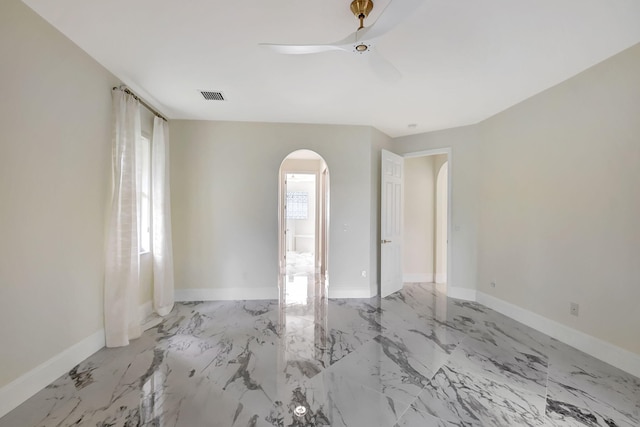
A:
(461, 293)
(361, 292)
(226, 294)
(417, 278)
(25, 386)
(425, 153)
(441, 278)
(607, 352)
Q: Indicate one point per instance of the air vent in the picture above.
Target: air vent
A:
(212, 96)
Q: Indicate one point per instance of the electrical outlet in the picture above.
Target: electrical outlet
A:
(574, 309)
(364, 273)
(493, 284)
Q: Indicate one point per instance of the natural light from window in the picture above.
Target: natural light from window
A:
(143, 169)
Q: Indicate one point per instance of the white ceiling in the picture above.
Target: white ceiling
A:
(462, 60)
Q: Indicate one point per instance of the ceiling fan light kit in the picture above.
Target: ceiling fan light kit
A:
(361, 48)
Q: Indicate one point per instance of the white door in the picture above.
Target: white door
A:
(391, 213)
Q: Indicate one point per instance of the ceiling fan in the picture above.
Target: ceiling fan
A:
(363, 40)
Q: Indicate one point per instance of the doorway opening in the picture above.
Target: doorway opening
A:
(303, 222)
(300, 223)
(426, 215)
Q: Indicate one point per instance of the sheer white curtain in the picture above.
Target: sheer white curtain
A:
(122, 273)
(162, 247)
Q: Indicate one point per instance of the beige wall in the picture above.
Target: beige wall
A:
(561, 202)
(419, 217)
(421, 220)
(465, 168)
(55, 126)
(224, 182)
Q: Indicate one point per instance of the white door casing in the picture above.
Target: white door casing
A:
(391, 222)
(282, 223)
(323, 217)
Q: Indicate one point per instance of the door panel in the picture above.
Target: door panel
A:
(391, 222)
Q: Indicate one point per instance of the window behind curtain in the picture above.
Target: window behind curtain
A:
(143, 166)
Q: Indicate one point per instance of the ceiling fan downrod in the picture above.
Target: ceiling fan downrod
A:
(361, 9)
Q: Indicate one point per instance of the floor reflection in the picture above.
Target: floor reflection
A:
(414, 358)
(303, 326)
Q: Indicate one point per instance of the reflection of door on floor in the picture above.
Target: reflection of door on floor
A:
(300, 222)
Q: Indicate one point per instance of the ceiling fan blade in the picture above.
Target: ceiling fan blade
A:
(383, 68)
(302, 49)
(392, 15)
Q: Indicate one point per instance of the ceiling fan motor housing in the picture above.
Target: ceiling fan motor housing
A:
(361, 8)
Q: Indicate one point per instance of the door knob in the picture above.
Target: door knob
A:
(385, 241)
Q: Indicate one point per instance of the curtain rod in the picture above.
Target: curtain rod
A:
(147, 106)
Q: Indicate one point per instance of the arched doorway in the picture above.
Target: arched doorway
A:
(303, 215)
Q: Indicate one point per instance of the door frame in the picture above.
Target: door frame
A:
(449, 152)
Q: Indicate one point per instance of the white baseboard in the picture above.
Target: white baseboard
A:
(417, 278)
(25, 386)
(235, 294)
(345, 293)
(226, 294)
(461, 293)
(441, 278)
(607, 352)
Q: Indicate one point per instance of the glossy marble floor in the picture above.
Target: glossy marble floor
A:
(415, 358)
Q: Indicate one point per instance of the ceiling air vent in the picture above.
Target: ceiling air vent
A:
(212, 96)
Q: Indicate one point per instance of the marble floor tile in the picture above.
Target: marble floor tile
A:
(347, 403)
(567, 405)
(414, 418)
(470, 399)
(501, 362)
(414, 358)
(383, 366)
(605, 383)
(430, 342)
(587, 391)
